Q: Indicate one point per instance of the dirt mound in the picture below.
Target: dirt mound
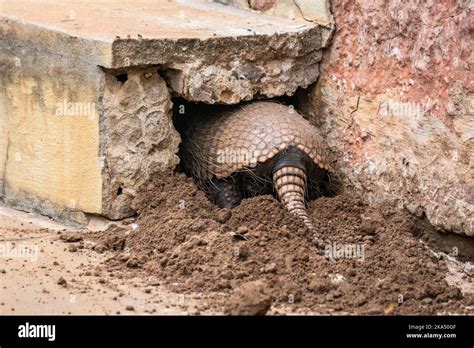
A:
(372, 264)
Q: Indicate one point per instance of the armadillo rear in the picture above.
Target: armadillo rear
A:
(221, 144)
(256, 135)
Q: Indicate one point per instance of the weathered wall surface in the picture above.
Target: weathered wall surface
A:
(137, 136)
(395, 100)
(48, 126)
(3, 140)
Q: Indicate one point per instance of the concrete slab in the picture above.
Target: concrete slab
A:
(152, 19)
(202, 45)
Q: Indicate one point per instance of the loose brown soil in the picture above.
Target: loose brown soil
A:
(193, 246)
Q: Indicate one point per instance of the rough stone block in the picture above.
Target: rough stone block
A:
(395, 101)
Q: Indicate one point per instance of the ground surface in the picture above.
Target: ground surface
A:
(184, 255)
(33, 284)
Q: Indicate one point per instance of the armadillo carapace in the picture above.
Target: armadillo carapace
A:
(238, 153)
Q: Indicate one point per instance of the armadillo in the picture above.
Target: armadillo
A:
(235, 152)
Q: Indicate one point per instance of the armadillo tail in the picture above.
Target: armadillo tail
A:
(290, 184)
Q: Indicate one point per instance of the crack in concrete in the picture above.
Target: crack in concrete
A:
(357, 106)
(301, 11)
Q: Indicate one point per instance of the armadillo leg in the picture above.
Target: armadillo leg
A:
(225, 193)
(290, 184)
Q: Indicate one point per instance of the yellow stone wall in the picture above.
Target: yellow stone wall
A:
(53, 155)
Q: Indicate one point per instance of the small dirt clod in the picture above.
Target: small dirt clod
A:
(62, 282)
(223, 215)
(252, 298)
(71, 237)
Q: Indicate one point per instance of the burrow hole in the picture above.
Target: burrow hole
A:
(185, 112)
(122, 77)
